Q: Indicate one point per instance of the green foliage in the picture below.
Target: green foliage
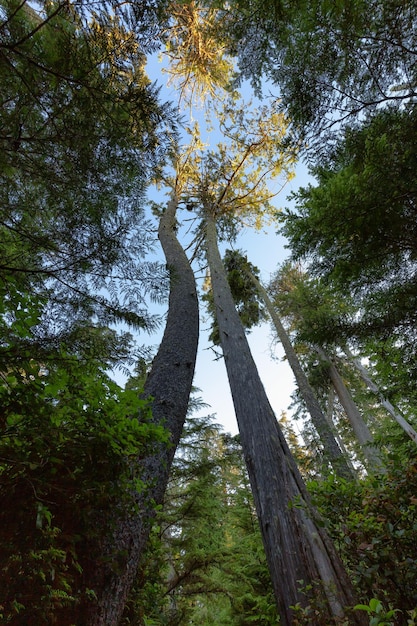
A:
(82, 131)
(320, 314)
(373, 525)
(331, 60)
(79, 141)
(377, 613)
(353, 218)
(244, 292)
(68, 433)
(394, 365)
(314, 309)
(354, 177)
(357, 214)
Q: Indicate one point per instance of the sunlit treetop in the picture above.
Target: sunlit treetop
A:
(198, 64)
(237, 180)
(240, 160)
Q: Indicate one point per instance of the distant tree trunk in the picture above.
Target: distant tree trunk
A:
(361, 430)
(169, 384)
(407, 428)
(297, 547)
(332, 450)
(329, 416)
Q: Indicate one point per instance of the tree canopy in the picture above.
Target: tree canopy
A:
(356, 227)
(329, 60)
(80, 141)
(82, 133)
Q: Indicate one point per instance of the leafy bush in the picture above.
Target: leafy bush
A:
(67, 440)
(374, 525)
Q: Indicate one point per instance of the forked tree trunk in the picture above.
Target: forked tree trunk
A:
(298, 550)
(332, 451)
(169, 384)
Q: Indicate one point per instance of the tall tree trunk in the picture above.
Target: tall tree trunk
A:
(361, 430)
(169, 384)
(332, 450)
(331, 396)
(297, 547)
(407, 428)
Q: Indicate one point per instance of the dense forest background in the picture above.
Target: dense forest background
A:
(127, 504)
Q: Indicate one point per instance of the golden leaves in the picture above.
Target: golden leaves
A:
(197, 61)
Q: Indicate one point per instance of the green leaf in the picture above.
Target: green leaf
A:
(362, 607)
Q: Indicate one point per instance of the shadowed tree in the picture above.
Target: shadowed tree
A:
(355, 215)
(314, 309)
(168, 387)
(81, 141)
(213, 568)
(303, 302)
(395, 414)
(373, 461)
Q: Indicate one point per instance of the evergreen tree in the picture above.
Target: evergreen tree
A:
(315, 310)
(81, 141)
(207, 563)
(224, 186)
(395, 413)
(355, 216)
(275, 479)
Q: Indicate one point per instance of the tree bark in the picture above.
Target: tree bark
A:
(332, 450)
(297, 547)
(168, 385)
(331, 396)
(361, 430)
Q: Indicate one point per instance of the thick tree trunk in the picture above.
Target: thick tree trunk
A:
(407, 428)
(332, 450)
(299, 552)
(169, 384)
(361, 430)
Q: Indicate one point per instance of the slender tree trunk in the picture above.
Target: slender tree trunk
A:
(329, 416)
(169, 384)
(332, 450)
(361, 430)
(407, 428)
(297, 547)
